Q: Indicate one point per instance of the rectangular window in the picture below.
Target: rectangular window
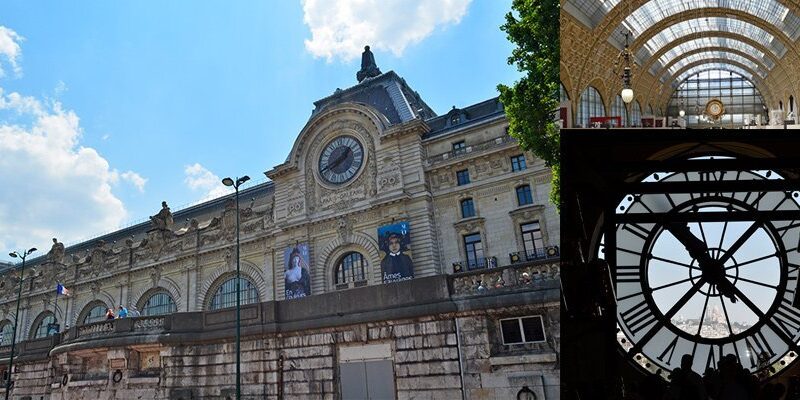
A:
(532, 240)
(459, 147)
(467, 208)
(524, 196)
(522, 330)
(462, 177)
(518, 163)
(474, 250)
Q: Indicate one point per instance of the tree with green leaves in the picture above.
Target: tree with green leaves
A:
(533, 26)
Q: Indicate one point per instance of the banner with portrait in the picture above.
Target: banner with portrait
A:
(396, 263)
(297, 279)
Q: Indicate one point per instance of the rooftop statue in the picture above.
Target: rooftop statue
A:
(368, 67)
(162, 220)
(56, 253)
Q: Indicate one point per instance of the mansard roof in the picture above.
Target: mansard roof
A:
(459, 118)
(388, 93)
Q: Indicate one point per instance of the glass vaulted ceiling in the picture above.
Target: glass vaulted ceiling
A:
(709, 42)
(702, 25)
(709, 55)
(710, 67)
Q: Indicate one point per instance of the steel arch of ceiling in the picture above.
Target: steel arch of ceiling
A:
(713, 34)
(718, 14)
(665, 72)
(754, 78)
(765, 61)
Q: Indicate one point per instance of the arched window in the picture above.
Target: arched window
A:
(636, 113)
(159, 303)
(740, 95)
(7, 332)
(97, 312)
(351, 268)
(591, 105)
(563, 96)
(649, 110)
(524, 195)
(41, 326)
(225, 295)
(791, 103)
(467, 208)
(618, 110)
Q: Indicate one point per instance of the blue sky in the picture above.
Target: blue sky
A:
(109, 108)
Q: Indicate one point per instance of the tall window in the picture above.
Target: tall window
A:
(474, 250)
(462, 177)
(225, 296)
(351, 268)
(6, 333)
(524, 196)
(532, 239)
(649, 110)
(563, 96)
(459, 147)
(159, 304)
(467, 208)
(97, 313)
(791, 103)
(518, 163)
(618, 110)
(42, 328)
(636, 113)
(591, 105)
(740, 96)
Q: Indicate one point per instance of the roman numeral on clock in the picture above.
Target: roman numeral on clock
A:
(628, 273)
(756, 346)
(638, 317)
(669, 350)
(787, 318)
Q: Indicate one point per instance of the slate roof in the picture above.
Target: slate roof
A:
(458, 118)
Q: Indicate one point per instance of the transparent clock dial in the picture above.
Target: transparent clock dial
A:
(341, 159)
(697, 283)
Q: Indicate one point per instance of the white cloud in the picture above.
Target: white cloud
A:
(342, 28)
(52, 186)
(134, 179)
(198, 178)
(10, 49)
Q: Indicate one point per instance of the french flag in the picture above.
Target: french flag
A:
(60, 289)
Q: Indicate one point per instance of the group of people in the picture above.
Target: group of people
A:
(122, 312)
(730, 381)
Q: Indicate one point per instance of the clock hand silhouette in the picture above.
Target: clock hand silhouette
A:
(335, 163)
(713, 271)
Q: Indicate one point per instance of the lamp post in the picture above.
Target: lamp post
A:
(24, 255)
(236, 184)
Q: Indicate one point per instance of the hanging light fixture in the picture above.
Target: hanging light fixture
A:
(625, 57)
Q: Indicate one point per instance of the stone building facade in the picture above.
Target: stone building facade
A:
(474, 313)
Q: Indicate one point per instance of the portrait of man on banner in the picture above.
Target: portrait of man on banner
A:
(297, 279)
(394, 241)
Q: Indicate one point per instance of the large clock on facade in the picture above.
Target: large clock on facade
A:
(341, 159)
(700, 268)
(715, 109)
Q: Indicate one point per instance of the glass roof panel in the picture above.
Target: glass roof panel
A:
(770, 11)
(710, 67)
(594, 10)
(710, 24)
(706, 42)
(716, 54)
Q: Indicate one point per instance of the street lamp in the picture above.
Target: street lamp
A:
(239, 182)
(24, 255)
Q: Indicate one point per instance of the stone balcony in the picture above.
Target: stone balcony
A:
(471, 150)
(517, 284)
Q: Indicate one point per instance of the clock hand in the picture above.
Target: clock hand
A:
(711, 268)
(335, 163)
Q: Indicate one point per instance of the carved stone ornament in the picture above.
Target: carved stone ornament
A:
(155, 274)
(156, 239)
(56, 253)
(162, 220)
(343, 228)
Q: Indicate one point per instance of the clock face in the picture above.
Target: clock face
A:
(715, 108)
(341, 159)
(706, 275)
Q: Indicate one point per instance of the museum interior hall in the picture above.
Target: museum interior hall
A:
(679, 63)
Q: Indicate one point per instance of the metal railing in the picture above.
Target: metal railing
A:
(534, 255)
(474, 263)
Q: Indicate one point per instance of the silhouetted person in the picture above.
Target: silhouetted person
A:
(692, 387)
